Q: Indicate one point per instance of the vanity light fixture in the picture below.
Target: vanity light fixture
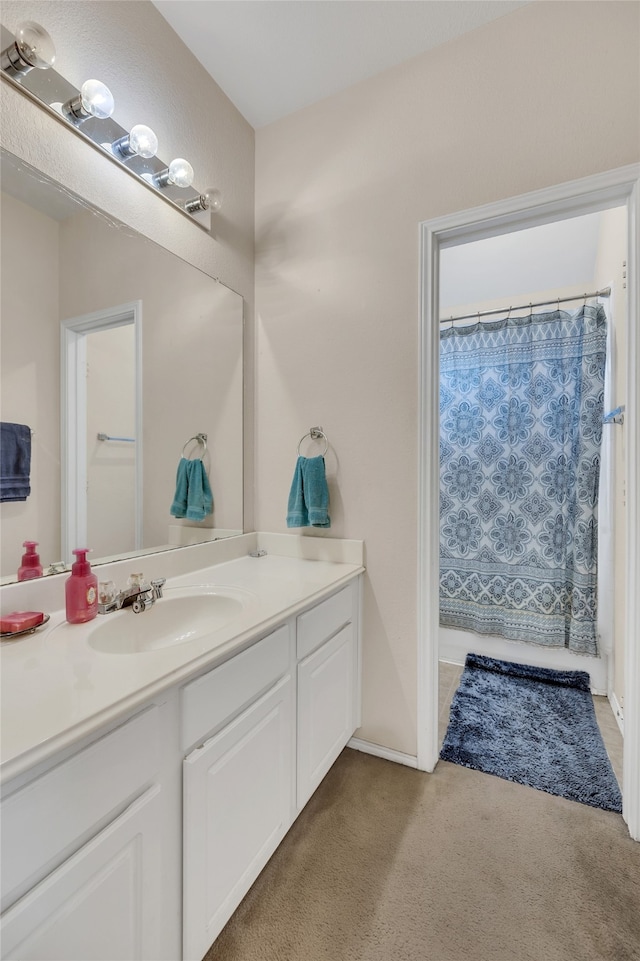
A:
(139, 142)
(88, 112)
(32, 47)
(179, 172)
(94, 100)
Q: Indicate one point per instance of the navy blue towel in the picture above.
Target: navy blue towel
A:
(15, 461)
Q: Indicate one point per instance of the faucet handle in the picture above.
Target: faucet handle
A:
(107, 592)
(142, 603)
(157, 586)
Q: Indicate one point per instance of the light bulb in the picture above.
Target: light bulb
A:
(214, 200)
(143, 141)
(97, 99)
(180, 172)
(94, 100)
(33, 47)
(211, 200)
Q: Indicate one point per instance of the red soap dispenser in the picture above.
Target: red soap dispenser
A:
(30, 566)
(81, 590)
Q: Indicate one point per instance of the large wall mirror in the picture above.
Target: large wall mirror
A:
(115, 353)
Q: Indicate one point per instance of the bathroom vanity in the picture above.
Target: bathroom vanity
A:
(147, 782)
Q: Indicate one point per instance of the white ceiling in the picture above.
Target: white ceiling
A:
(514, 265)
(272, 57)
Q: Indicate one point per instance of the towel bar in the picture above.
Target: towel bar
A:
(202, 441)
(316, 433)
(127, 440)
(615, 416)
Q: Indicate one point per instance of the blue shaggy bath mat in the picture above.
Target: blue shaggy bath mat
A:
(534, 726)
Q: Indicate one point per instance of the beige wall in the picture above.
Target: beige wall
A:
(546, 94)
(29, 379)
(155, 80)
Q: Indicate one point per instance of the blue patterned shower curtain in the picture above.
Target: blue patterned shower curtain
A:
(521, 407)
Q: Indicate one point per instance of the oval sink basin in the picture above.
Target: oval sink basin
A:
(182, 615)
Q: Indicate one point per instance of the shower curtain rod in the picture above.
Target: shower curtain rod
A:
(605, 292)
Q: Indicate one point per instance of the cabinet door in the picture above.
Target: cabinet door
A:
(326, 709)
(101, 904)
(237, 791)
(82, 791)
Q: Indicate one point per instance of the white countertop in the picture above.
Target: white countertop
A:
(57, 689)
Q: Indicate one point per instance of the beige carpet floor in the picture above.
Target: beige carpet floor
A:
(390, 864)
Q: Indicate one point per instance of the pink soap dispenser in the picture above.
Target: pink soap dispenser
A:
(30, 566)
(81, 590)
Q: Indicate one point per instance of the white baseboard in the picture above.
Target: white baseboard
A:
(617, 711)
(368, 747)
(454, 645)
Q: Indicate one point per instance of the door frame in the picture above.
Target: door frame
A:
(73, 453)
(619, 187)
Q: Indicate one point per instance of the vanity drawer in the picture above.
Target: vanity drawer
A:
(217, 696)
(42, 821)
(323, 621)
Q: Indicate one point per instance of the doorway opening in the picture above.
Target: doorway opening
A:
(102, 431)
(558, 204)
(532, 456)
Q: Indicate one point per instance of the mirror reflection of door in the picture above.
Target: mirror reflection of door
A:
(111, 462)
(101, 430)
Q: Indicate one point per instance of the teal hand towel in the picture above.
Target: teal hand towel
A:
(193, 498)
(297, 514)
(179, 506)
(199, 498)
(316, 491)
(309, 496)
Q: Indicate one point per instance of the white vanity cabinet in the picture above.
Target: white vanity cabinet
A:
(85, 840)
(268, 725)
(327, 650)
(140, 842)
(101, 903)
(237, 783)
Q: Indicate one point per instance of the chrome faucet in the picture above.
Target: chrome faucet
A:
(148, 595)
(139, 596)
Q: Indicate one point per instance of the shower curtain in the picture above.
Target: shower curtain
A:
(521, 407)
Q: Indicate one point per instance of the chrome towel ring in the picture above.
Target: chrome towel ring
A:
(316, 433)
(202, 441)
